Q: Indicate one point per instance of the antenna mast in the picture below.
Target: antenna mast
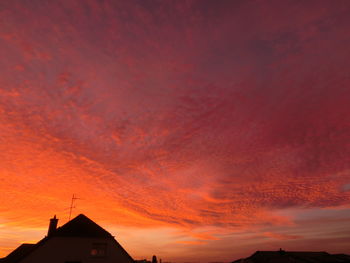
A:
(72, 205)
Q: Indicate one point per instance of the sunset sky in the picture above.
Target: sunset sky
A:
(193, 130)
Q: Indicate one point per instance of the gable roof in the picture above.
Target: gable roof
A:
(81, 226)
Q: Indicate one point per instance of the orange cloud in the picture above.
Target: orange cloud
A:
(204, 236)
(281, 236)
(190, 242)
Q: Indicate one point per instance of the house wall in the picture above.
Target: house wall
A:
(75, 249)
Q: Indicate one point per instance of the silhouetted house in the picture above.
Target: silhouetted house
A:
(79, 241)
(282, 256)
(142, 261)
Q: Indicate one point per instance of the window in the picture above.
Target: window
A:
(98, 250)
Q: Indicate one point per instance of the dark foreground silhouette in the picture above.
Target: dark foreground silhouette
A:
(282, 256)
(80, 240)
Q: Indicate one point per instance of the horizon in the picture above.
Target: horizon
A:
(148, 258)
(198, 130)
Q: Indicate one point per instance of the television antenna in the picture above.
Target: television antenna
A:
(72, 205)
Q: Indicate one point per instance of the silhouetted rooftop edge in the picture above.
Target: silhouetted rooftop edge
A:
(294, 256)
(80, 226)
(19, 252)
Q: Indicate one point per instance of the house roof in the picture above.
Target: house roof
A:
(18, 253)
(295, 257)
(81, 226)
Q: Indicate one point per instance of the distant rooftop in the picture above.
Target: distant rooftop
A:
(18, 253)
(281, 256)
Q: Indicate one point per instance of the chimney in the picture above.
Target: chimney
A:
(52, 226)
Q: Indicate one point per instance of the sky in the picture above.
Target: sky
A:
(197, 131)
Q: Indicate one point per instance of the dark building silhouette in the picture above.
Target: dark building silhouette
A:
(282, 256)
(142, 261)
(154, 260)
(79, 241)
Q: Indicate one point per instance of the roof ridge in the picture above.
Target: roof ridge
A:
(81, 226)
